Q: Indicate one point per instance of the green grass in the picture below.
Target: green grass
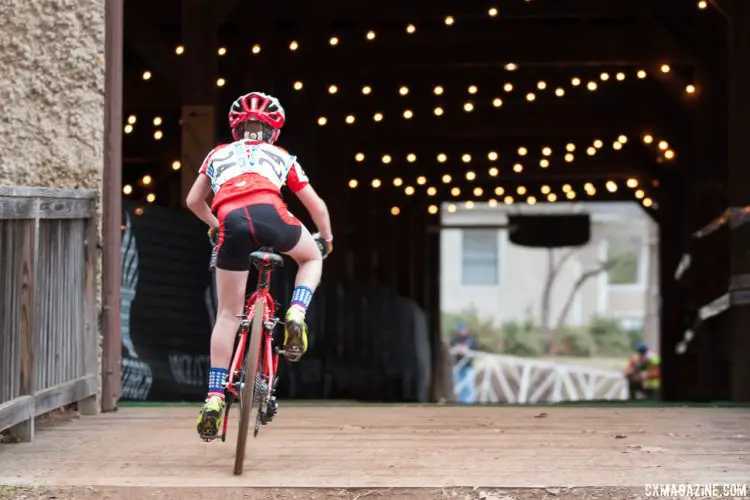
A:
(602, 363)
(13, 492)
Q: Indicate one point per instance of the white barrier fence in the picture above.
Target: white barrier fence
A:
(495, 378)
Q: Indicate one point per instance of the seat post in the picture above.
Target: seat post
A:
(264, 276)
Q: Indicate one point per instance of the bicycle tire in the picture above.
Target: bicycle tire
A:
(247, 395)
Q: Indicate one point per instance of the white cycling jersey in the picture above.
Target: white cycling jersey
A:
(229, 161)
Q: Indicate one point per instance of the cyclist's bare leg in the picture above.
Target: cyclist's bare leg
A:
(307, 255)
(230, 291)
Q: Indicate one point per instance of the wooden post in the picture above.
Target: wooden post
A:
(112, 207)
(738, 183)
(26, 328)
(88, 406)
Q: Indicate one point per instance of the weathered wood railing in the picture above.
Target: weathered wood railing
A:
(48, 321)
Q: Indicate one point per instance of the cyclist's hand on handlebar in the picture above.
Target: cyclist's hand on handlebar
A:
(213, 235)
(325, 246)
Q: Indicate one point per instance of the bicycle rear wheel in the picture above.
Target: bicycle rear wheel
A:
(248, 391)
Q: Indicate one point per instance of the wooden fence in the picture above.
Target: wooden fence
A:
(48, 321)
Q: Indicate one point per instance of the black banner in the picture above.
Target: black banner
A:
(365, 342)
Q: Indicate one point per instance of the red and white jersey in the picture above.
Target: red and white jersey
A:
(245, 167)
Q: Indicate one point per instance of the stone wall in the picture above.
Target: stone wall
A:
(52, 93)
(52, 96)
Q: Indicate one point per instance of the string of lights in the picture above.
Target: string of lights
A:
(522, 194)
(469, 98)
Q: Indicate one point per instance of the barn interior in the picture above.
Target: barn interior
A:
(401, 112)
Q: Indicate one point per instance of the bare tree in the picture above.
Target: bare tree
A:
(553, 270)
(554, 267)
(582, 279)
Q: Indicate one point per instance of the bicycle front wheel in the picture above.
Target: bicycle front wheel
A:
(248, 390)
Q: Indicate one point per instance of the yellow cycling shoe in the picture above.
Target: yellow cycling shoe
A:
(210, 417)
(295, 334)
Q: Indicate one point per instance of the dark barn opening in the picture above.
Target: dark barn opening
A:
(399, 111)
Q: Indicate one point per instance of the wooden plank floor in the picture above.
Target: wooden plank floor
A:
(395, 446)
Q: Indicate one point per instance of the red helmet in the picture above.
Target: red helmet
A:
(257, 106)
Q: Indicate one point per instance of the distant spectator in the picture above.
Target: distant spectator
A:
(643, 373)
(462, 344)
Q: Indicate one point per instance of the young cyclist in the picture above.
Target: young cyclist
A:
(246, 177)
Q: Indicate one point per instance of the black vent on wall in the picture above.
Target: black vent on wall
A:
(550, 231)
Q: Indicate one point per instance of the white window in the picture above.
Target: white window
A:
(480, 257)
(626, 256)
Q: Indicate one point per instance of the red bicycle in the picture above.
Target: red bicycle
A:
(256, 330)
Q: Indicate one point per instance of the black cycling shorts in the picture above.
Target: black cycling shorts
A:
(242, 229)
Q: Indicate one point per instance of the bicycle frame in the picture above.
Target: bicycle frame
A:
(268, 354)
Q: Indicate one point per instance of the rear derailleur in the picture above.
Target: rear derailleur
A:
(270, 407)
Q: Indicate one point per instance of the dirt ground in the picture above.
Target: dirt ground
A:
(379, 452)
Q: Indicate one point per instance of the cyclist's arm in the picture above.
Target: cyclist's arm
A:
(318, 210)
(196, 200)
(299, 184)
